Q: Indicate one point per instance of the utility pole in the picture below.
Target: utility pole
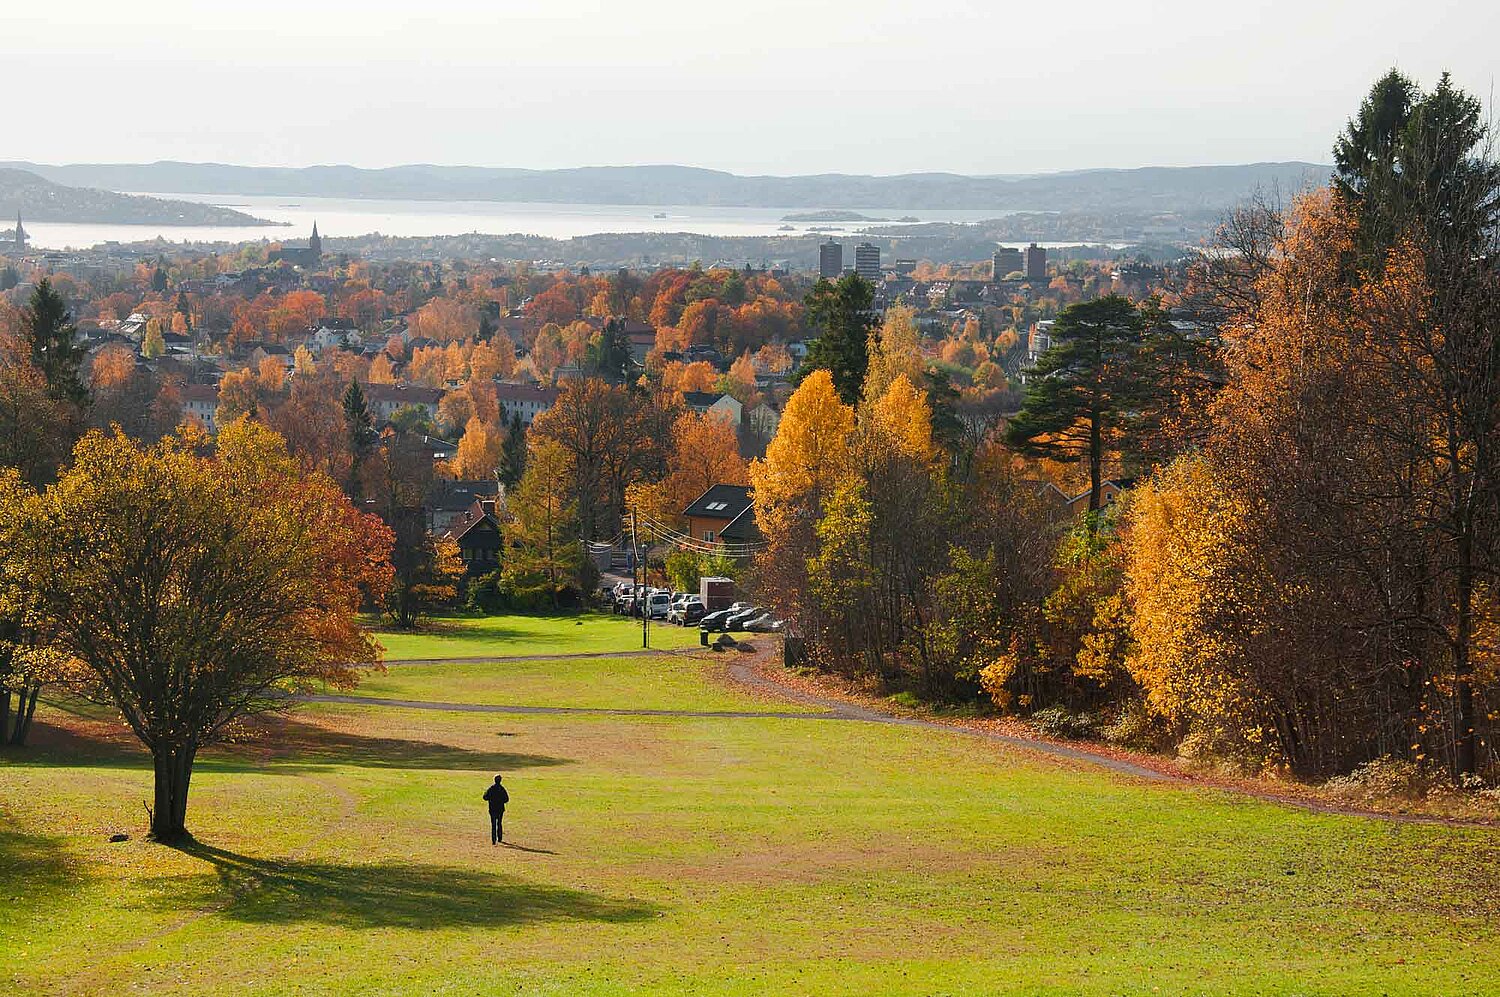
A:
(635, 547)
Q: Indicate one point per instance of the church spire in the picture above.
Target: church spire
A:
(20, 232)
(315, 244)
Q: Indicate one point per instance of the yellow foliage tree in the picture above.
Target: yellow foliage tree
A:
(807, 459)
(479, 451)
(895, 350)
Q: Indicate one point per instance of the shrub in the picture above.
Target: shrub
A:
(1060, 722)
(1223, 749)
(1133, 727)
(1384, 778)
(485, 594)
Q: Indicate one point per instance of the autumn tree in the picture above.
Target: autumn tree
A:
(805, 464)
(544, 552)
(152, 344)
(614, 438)
(250, 570)
(895, 350)
(479, 450)
(704, 453)
(35, 427)
(311, 420)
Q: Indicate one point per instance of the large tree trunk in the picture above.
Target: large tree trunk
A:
(14, 734)
(1465, 760)
(1096, 463)
(174, 769)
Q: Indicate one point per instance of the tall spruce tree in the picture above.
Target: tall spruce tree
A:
(360, 427)
(844, 311)
(1414, 165)
(513, 452)
(54, 349)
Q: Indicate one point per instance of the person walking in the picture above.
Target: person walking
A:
(497, 798)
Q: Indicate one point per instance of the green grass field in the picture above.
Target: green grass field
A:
(655, 682)
(485, 636)
(347, 852)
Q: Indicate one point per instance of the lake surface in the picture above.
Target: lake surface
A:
(345, 217)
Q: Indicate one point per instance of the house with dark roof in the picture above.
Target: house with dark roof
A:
(478, 536)
(384, 400)
(449, 500)
(710, 513)
(743, 530)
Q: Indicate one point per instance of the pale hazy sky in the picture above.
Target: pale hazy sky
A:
(772, 86)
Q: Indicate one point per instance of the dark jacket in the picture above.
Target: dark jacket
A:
(498, 798)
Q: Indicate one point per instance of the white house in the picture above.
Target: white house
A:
(725, 407)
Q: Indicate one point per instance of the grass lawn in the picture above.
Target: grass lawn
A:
(347, 853)
(661, 682)
(481, 636)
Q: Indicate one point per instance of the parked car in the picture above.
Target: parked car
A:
(737, 621)
(678, 613)
(763, 624)
(658, 604)
(713, 622)
(691, 613)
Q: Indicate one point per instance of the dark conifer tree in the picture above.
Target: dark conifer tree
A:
(54, 346)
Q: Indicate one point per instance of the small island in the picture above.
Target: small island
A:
(831, 216)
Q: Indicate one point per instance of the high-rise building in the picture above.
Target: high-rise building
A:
(1036, 262)
(831, 260)
(1007, 261)
(867, 262)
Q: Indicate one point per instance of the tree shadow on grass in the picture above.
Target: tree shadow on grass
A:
(289, 744)
(283, 744)
(33, 866)
(379, 895)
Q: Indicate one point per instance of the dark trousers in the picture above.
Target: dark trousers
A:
(497, 833)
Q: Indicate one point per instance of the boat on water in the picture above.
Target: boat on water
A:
(787, 228)
(660, 214)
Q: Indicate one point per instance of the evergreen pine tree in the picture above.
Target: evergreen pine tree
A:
(513, 454)
(1083, 391)
(54, 349)
(844, 312)
(360, 427)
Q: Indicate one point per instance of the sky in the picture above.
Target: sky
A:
(771, 87)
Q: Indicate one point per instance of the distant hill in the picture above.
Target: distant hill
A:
(42, 200)
(1166, 189)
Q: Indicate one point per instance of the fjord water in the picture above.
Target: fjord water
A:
(338, 217)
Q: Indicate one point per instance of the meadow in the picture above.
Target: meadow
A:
(345, 850)
(529, 634)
